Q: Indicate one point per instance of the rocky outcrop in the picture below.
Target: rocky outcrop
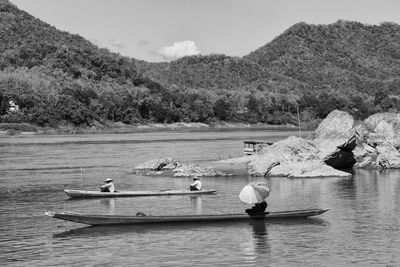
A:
(157, 165)
(290, 150)
(336, 138)
(338, 143)
(383, 128)
(187, 170)
(380, 142)
(388, 156)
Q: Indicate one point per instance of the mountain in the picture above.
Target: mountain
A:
(346, 65)
(28, 42)
(59, 78)
(344, 56)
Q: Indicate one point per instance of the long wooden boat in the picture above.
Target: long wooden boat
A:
(90, 194)
(101, 219)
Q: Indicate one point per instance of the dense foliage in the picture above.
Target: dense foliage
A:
(59, 78)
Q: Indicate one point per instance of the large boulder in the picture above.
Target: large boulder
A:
(336, 139)
(383, 128)
(291, 149)
(291, 157)
(337, 125)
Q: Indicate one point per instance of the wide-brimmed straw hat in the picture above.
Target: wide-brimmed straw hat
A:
(108, 180)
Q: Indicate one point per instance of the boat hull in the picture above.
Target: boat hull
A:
(99, 219)
(95, 194)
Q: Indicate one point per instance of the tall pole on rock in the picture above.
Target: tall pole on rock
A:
(298, 120)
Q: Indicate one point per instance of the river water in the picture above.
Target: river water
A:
(361, 229)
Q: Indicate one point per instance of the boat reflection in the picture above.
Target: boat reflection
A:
(109, 203)
(196, 204)
(259, 228)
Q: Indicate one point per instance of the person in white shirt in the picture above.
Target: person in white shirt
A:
(196, 186)
(108, 186)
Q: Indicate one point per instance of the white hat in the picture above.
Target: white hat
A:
(108, 180)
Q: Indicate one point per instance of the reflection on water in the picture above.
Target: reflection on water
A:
(109, 204)
(195, 202)
(360, 229)
(260, 238)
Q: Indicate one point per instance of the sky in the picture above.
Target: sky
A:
(164, 30)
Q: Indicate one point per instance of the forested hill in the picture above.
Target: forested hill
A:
(58, 78)
(29, 42)
(345, 65)
(344, 56)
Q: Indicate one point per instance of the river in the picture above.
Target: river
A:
(361, 229)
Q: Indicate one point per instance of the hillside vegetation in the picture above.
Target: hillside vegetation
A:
(57, 78)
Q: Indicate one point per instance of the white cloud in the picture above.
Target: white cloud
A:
(179, 49)
(116, 43)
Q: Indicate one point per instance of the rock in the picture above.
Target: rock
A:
(337, 125)
(295, 157)
(336, 139)
(267, 173)
(363, 150)
(349, 145)
(338, 143)
(170, 166)
(157, 164)
(383, 128)
(388, 157)
(313, 168)
(368, 162)
(372, 121)
(289, 150)
(340, 159)
(187, 170)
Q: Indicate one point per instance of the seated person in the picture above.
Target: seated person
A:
(258, 209)
(108, 186)
(196, 186)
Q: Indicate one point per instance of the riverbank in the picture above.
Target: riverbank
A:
(120, 128)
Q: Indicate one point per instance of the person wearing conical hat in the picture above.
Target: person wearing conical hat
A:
(196, 186)
(108, 186)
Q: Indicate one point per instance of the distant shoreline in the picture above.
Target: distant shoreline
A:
(12, 129)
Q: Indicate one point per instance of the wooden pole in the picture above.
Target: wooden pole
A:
(298, 119)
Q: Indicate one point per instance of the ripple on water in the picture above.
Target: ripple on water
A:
(360, 229)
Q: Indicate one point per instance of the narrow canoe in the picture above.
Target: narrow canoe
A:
(101, 219)
(89, 194)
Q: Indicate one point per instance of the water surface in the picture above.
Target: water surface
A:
(359, 230)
